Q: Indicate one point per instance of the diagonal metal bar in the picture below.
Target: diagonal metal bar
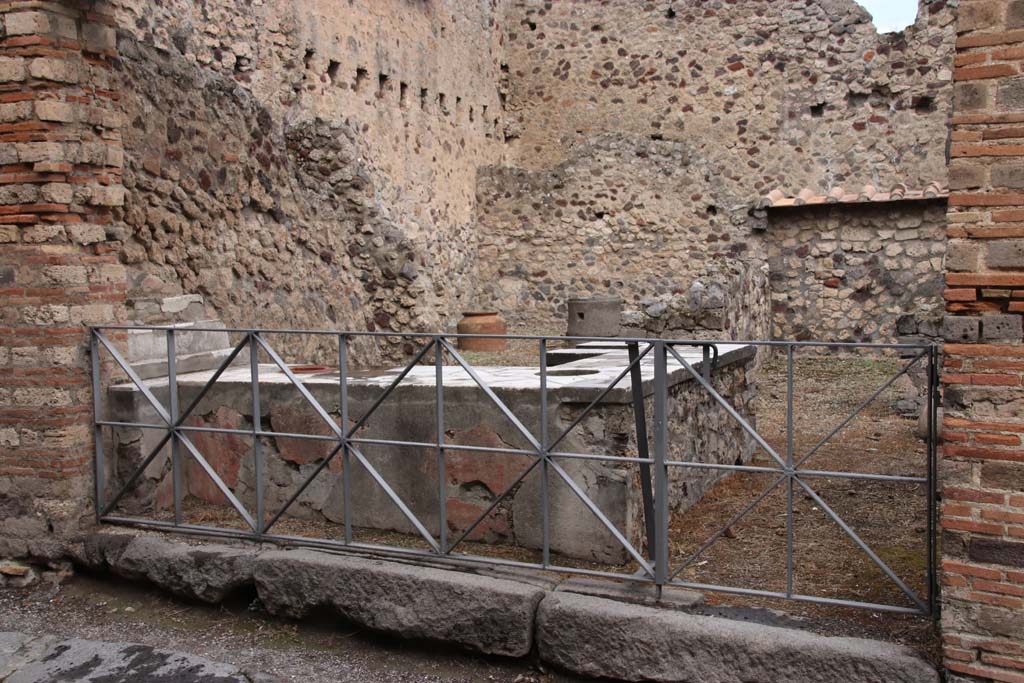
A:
(309, 480)
(134, 377)
(181, 419)
(491, 395)
(728, 408)
(138, 472)
(585, 499)
(600, 397)
(468, 530)
(864, 546)
(217, 481)
(718, 534)
(391, 387)
(225, 364)
(861, 407)
(279, 362)
(395, 498)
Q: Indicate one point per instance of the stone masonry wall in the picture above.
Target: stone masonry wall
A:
(306, 165)
(983, 477)
(60, 181)
(623, 215)
(641, 133)
(857, 272)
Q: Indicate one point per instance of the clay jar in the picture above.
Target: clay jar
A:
(482, 322)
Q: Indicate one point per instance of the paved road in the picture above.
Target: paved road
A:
(45, 659)
(239, 635)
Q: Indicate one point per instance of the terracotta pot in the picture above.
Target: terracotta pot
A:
(307, 369)
(482, 322)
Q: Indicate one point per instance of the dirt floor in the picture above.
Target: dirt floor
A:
(240, 633)
(889, 517)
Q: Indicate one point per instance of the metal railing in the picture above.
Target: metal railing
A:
(653, 461)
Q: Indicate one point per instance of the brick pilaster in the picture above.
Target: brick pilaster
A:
(60, 179)
(983, 493)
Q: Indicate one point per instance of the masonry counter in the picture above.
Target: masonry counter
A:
(475, 474)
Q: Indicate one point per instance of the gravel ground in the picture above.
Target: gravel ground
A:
(242, 635)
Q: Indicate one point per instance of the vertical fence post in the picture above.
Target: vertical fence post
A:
(99, 462)
(545, 521)
(660, 469)
(442, 485)
(933, 426)
(346, 499)
(172, 391)
(790, 474)
(257, 427)
(636, 381)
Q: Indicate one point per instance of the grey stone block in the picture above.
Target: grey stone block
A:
(999, 327)
(488, 615)
(1011, 93)
(962, 256)
(973, 95)
(1007, 175)
(1015, 14)
(960, 329)
(598, 637)
(1005, 254)
(208, 572)
(996, 551)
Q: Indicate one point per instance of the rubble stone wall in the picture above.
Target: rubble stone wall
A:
(857, 272)
(640, 134)
(306, 165)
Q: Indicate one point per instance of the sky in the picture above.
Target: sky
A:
(891, 15)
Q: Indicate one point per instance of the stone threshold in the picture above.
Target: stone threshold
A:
(595, 628)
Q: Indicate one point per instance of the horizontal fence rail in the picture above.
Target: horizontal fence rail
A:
(653, 462)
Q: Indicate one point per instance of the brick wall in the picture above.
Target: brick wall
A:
(60, 168)
(983, 495)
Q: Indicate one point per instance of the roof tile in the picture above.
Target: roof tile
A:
(777, 198)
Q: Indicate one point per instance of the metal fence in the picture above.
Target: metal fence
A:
(653, 461)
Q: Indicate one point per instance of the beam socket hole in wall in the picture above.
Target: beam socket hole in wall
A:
(442, 103)
(403, 94)
(531, 24)
(383, 85)
(307, 58)
(712, 210)
(361, 76)
(471, 115)
(424, 94)
(923, 104)
(818, 110)
(332, 70)
(670, 13)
